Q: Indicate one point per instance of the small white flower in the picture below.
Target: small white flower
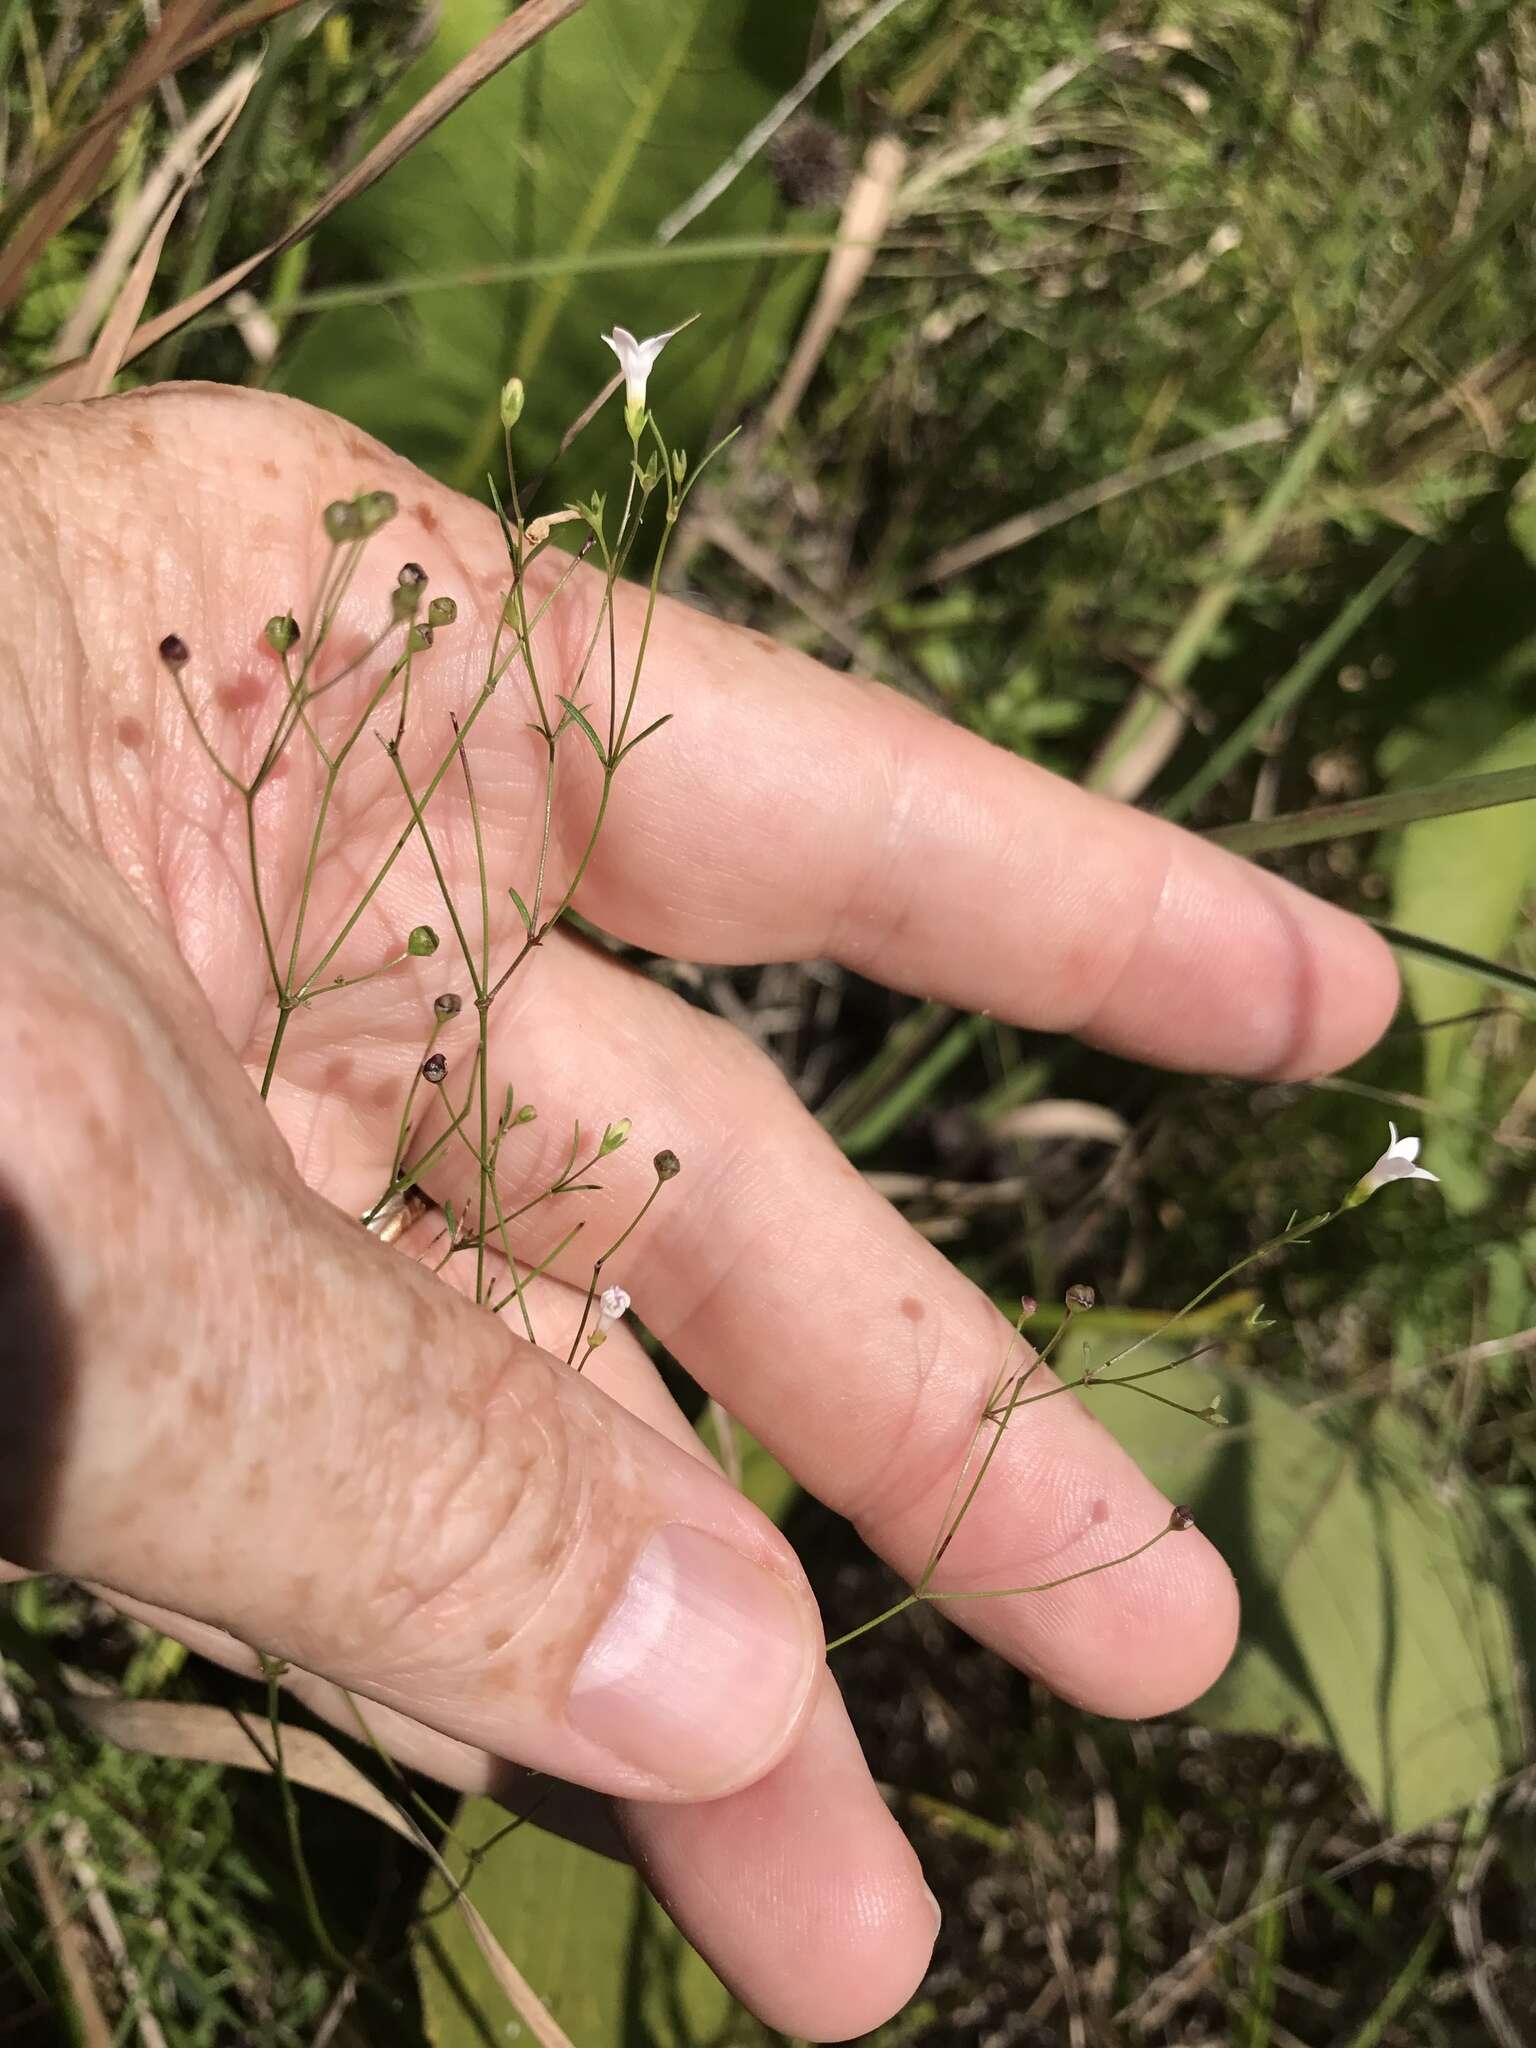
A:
(1398, 1162)
(636, 360)
(612, 1306)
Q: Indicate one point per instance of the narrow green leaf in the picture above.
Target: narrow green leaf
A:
(1296, 682)
(630, 745)
(522, 909)
(1378, 813)
(575, 712)
(1474, 964)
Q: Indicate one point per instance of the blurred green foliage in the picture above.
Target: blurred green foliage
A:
(520, 175)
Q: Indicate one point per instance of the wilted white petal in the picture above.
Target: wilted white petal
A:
(612, 1303)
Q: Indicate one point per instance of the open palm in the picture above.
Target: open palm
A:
(240, 1408)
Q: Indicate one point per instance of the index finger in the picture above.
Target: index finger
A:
(788, 812)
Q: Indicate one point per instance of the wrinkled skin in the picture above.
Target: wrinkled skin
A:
(251, 1421)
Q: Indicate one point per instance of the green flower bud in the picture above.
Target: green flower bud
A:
(342, 521)
(513, 398)
(405, 601)
(422, 943)
(613, 1137)
(282, 632)
(526, 1114)
(418, 640)
(376, 509)
(442, 611)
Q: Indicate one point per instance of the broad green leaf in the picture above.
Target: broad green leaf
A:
(585, 143)
(1463, 880)
(1383, 1614)
(583, 1930)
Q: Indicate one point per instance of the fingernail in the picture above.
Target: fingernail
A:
(701, 1669)
(938, 1910)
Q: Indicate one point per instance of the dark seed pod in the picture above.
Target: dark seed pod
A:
(434, 1068)
(1080, 1297)
(174, 651)
(411, 572)
(1182, 1518)
(809, 162)
(448, 1005)
(667, 1165)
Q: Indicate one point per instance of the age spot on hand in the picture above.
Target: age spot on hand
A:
(37, 1384)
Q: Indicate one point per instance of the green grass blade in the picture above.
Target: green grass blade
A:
(1475, 964)
(1378, 813)
(892, 1111)
(1296, 682)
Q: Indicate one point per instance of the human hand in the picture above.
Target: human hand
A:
(231, 1405)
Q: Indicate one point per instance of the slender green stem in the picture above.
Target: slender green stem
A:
(269, 945)
(536, 1272)
(876, 1621)
(601, 1260)
(290, 1806)
(1089, 1571)
(418, 816)
(279, 1033)
(946, 1535)
(402, 1134)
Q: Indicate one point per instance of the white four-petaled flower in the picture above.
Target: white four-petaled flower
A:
(636, 360)
(1398, 1162)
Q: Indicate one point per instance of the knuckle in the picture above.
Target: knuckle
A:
(495, 1553)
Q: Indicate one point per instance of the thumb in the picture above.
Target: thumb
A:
(220, 1395)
